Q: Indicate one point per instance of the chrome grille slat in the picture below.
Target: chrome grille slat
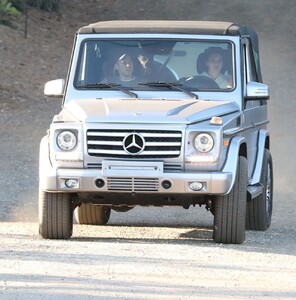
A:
(141, 154)
(166, 167)
(163, 144)
(104, 143)
(161, 134)
(119, 134)
(172, 168)
(94, 165)
(158, 143)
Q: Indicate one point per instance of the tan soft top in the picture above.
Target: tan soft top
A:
(160, 26)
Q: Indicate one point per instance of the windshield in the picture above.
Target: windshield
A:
(139, 64)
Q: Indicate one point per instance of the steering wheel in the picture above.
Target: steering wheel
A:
(200, 82)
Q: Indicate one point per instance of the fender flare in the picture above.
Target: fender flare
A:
(262, 138)
(231, 163)
(45, 166)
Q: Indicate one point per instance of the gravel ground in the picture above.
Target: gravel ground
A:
(144, 261)
(146, 253)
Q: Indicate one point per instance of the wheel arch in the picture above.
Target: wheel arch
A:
(237, 147)
(263, 143)
(47, 173)
(243, 150)
(267, 142)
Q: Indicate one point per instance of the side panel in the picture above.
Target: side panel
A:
(255, 119)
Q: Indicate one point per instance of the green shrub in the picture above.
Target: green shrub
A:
(19, 4)
(11, 9)
(47, 5)
(8, 10)
(8, 13)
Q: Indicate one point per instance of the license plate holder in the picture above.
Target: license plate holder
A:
(132, 169)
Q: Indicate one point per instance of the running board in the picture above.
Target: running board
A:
(254, 191)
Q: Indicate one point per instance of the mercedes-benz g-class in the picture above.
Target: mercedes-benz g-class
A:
(158, 113)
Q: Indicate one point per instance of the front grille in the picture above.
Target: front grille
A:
(156, 143)
(131, 184)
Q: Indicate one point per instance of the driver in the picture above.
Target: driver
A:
(214, 63)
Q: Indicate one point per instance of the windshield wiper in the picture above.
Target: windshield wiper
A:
(171, 85)
(110, 86)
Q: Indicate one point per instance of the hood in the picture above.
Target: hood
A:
(146, 111)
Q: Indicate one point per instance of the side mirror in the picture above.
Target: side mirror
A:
(54, 88)
(257, 91)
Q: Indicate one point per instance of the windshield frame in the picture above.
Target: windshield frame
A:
(160, 37)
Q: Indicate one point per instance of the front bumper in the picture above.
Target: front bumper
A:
(135, 177)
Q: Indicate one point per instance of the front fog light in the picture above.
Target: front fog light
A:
(72, 183)
(195, 186)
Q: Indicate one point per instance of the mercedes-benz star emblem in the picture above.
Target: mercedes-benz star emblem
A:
(133, 143)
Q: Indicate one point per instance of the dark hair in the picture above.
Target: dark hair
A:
(213, 50)
(203, 57)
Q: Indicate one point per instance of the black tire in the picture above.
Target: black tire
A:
(230, 209)
(55, 215)
(259, 209)
(90, 214)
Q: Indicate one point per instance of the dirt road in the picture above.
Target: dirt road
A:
(139, 260)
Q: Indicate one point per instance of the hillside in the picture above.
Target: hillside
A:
(26, 64)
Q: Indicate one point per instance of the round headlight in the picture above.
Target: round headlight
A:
(203, 142)
(66, 140)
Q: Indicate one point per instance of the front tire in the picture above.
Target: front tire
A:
(90, 214)
(230, 209)
(55, 215)
(259, 209)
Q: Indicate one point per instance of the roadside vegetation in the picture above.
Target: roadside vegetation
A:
(8, 13)
(10, 10)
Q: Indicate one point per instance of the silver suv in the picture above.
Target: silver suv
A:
(158, 113)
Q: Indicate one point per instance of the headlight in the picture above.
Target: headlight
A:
(66, 140)
(203, 142)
